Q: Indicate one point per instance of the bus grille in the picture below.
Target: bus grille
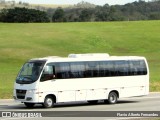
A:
(20, 93)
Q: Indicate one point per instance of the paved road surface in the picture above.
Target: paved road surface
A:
(146, 103)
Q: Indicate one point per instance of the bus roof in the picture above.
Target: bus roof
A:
(87, 57)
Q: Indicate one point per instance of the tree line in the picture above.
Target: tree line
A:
(86, 12)
(23, 15)
(140, 10)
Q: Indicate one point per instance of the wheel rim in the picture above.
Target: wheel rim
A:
(49, 102)
(113, 98)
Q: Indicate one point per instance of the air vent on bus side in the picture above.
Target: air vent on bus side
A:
(95, 55)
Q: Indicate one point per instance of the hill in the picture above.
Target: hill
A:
(20, 42)
(42, 7)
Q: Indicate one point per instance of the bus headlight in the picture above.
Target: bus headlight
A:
(32, 91)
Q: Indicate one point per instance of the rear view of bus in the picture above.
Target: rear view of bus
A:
(81, 77)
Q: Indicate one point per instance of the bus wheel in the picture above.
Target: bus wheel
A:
(92, 101)
(112, 98)
(48, 102)
(29, 105)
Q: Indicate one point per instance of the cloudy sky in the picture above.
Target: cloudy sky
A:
(97, 2)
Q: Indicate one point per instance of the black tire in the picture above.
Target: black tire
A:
(48, 102)
(29, 105)
(92, 102)
(112, 98)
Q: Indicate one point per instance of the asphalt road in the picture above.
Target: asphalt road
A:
(81, 110)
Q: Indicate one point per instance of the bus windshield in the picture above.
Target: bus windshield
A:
(30, 72)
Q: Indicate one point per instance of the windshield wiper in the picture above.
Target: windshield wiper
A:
(28, 78)
(23, 82)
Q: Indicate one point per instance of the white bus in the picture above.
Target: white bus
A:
(81, 77)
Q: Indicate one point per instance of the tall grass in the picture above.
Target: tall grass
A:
(20, 42)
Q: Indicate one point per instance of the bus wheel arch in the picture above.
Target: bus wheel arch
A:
(112, 97)
(49, 101)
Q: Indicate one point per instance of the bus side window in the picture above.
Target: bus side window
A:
(48, 73)
(109, 69)
(121, 68)
(134, 67)
(132, 70)
(62, 70)
(77, 70)
(143, 67)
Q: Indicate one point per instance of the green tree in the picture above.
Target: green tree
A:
(85, 15)
(3, 14)
(102, 13)
(23, 15)
(58, 16)
(154, 16)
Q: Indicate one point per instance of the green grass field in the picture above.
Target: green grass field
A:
(20, 42)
